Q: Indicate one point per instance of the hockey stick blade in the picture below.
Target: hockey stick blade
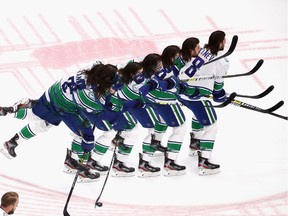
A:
(97, 203)
(261, 95)
(229, 52)
(252, 71)
(275, 107)
(65, 211)
(227, 101)
(254, 108)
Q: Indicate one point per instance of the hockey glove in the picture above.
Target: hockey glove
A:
(182, 87)
(163, 85)
(149, 86)
(196, 95)
(219, 96)
(171, 82)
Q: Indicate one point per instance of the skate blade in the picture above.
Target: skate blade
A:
(143, 174)
(69, 170)
(193, 153)
(86, 180)
(4, 151)
(102, 173)
(122, 174)
(168, 172)
(156, 154)
(203, 172)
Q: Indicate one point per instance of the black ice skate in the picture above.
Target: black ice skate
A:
(8, 148)
(72, 166)
(146, 169)
(194, 145)
(205, 167)
(173, 169)
(87, 176)
(5, 110)
(121, 170)
(95, 165)
(156, 145)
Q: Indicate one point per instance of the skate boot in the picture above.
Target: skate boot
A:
(156, 145)
(121, 170)
(95, 165)
(5, 110)
(8, 148)
(71, 166)
(146, 169)
(194, 145)
(173, 169)
(207, 168)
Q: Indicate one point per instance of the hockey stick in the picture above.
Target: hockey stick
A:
(230, 98)
(65, 211)
(261, 95)
(257, 109)
(97, 203)
(252, 107)
(252, 71)
(229, 52)
(279, 116)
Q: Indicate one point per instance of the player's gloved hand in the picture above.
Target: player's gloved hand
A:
(144, 90)
(163, 85)
(196, 95)
(87, 146)
(169, 83)
(181, 87)
(149, 86)
(219, 96)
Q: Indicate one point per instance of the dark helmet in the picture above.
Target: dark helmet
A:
(188, 45)
(168, 54)
(102, 77)
(214, 41)
(150, 63)
(129, 71)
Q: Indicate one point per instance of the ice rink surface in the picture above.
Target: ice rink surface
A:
(42, 41)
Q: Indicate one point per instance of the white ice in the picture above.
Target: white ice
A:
(251, 147)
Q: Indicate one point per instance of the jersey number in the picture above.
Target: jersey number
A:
(72, 85)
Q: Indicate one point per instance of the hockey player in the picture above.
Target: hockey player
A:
(112, 118)
(204, 123)
(110, 121)
(160, 92)
(133, 79)
(61, 103)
